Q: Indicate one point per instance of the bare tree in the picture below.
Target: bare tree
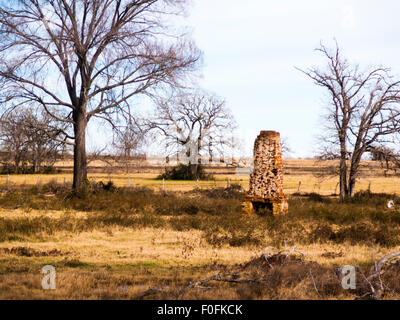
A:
(127, 141)
(363, 111)
(44, 136)
(14, 142)
(388, 157)
(80, 59)
(286, 149)
(193, 122)
(28, 138)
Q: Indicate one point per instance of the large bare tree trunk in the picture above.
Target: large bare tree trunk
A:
(80, 161)
(352, 175)
(198, 162)
(343, 172)
(355, 164)
(16, 165)
(352, 184)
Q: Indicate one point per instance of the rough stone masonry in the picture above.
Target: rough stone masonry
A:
(266, 181)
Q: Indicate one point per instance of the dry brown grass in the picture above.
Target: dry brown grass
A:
(118, 245)
(121, 264)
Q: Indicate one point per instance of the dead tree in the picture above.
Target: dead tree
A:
(28, 138)
(45, 139)
(14, 143)
(127, 141)
(362, 111)
(286, 149)
(388, 157)
(81, 59)
(193, 122)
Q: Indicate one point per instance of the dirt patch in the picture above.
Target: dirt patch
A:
(29, 252)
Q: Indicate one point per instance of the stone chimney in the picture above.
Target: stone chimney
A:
(266, 182)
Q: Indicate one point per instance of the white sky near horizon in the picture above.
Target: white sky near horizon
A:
(251, 49)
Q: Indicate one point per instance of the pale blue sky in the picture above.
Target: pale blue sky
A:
(251, 49)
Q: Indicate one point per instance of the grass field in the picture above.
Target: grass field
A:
(308, 172)
(140, 243)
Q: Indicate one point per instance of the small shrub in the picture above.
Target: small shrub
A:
(48, 170)
(191, 209)
(235, 191)
(25, 169)
(109, 186)
(53, 187)
(7, 169)
(322, 233)
(316, 197)
(72, 263)
(100, 187)
(185, 172)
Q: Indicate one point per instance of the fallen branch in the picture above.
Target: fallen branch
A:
(372, 292)
(381, 262)
(221, 278)
(377, 290)
(313, 281)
